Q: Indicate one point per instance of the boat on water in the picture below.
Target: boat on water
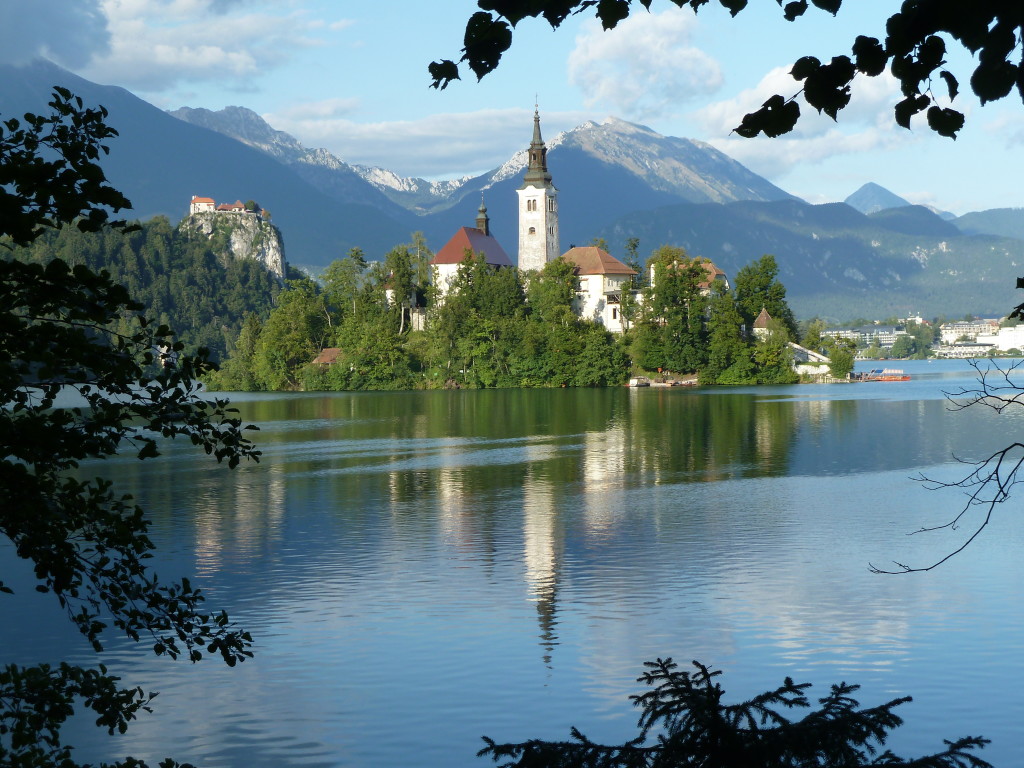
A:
(885, 374)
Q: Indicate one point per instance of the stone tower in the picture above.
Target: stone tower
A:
(538, 208)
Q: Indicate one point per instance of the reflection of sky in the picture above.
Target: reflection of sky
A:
(469, 584)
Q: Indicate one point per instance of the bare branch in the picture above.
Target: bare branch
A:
(991, 479)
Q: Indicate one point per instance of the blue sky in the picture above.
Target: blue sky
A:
(352, 77)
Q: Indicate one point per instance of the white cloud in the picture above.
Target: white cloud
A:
(865, 125)
(33, 30)
(157, 44)
(437, 146)
(645, 67)
(319, 110)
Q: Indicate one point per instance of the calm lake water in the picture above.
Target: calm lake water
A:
(419, 569)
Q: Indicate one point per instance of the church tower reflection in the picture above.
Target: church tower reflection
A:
(540, 557)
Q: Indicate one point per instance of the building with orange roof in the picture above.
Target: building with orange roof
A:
(713, 275)
(201, 204)
(603, 280)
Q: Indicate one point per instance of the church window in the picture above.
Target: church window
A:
(615, 313)
(533, 230)
(551, 204)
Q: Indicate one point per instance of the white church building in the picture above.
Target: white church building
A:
(603, 279)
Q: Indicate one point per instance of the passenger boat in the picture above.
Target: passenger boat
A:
(885, 374)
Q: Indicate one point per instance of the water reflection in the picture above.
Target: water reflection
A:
(541, 558)
(405, 560)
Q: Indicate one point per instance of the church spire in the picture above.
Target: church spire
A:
(537, 171)
(538, 207)
(482, 220)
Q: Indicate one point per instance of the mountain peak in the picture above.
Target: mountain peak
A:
(246, 126)
(872, 198)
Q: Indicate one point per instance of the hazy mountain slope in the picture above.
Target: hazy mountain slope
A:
(1004, 222)
(915, 220)
(319, 167)
(159, 162)
(835, 261)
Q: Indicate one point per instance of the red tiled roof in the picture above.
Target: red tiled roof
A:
(454, 251)
(762, 319)
(591, 260)
(202, 199)
(713, 274)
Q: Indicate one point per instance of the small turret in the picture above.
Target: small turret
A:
(482, 221)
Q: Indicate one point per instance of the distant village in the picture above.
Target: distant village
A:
(980, 337)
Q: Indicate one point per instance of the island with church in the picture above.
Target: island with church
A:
(468, 316)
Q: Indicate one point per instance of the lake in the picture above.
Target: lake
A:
(419, 569)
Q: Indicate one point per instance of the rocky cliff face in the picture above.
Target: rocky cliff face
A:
(240, 236)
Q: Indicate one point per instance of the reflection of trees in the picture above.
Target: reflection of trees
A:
(690, 436)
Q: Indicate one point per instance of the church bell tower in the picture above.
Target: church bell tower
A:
(538, 207)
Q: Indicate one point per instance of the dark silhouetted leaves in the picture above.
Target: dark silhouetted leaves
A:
(827, 88)
(611, 12)
(832, 6)
(443, 72)
(945, 122)
(909, 107)
(795, 9)
(776, 117)
(804, 67)
(915, 46)
(486, 39)
(952, 86)
(869, 56)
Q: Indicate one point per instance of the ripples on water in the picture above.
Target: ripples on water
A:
(419, 569)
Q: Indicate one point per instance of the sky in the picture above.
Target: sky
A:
(352, 78)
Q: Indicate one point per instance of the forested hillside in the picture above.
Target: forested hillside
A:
(202, 295)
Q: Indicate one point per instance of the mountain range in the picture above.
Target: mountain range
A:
(873, 255)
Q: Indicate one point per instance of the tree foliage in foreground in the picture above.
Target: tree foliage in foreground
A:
(685, 723)
(913, 50)
(67, 331)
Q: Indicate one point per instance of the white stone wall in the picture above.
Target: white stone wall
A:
(592, 300)
(538, 227)
(444, 277)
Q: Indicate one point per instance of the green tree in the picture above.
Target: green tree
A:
(903, 347)
(291, 337)
(913, 50)
(343, 283)
(757, 287)
(552, 290)
(685, 722)
(774, 357)
(840, 356)
(676, 306)
(66, 328)
(729, 357)
(811, 335)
